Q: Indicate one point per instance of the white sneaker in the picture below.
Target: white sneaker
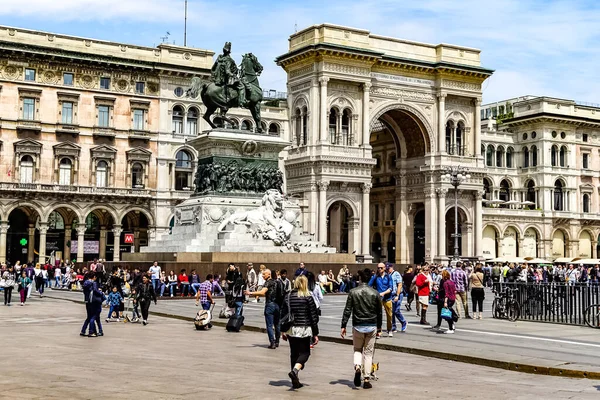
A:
(171, 295)
(390, 334)
(449, 331)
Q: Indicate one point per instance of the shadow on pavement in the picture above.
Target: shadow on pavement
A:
(345, 382)
(285, 383)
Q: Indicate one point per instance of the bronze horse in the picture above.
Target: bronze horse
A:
(225, 97)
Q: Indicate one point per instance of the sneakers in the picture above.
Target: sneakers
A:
(394, 330)
(449, 331)
(272, 346)
(145, 322)
(390, 334)
(82, 334)
(378, 336)
(107, 320)
(100, 333)
(276, 344)
(404, 326)
(295, 381)
(92, 335)
(367, 384)
(22, 304)
(357, 376)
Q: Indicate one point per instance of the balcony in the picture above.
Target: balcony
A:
(457, 150)
(104, 131)
(136, 134)
(49, 188)
(69, 129)
(27, 125)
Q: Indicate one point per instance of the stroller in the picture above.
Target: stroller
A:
(203, 318)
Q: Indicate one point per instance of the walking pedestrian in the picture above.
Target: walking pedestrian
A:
(459, 277)
(446, 298)
(31, 275)
(407, 280)
(397, 296)
(39, 279)
(477, 291)
(93, 298)
(10, 279)
(423, 283)
(57, 278)
(24, 283)
(114, 301)
(204, 295)
(384, 286)
(155, 273)
(145, 294)
(364, 305)
(272, 311)
(300, 304)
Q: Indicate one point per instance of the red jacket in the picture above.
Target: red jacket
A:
(423, 284)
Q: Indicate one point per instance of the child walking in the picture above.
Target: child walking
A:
(114, 300)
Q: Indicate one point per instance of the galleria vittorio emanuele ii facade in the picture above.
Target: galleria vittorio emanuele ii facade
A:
(93, 149)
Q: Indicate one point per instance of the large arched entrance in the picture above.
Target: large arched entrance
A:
(98, 232)
(339, 227)
(134, 223)
(23, 236)
(399, 141)
(62, 230)
(489, 242)
(450, 228)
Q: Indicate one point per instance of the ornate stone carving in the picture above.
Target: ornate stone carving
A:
(402, 94)
(323, 185)
(222, 176)
(87, 81)
(478, 194)
(447, 83)
(441, 192)
(347, 69)
(11, 72)
(301, 71)
(366, 188)
(301, 86)
(323, 80)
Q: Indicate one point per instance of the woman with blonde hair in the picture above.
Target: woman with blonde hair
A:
(300, 311)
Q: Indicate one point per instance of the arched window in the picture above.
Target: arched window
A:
(586, 203)
(525, 157)
(305, 125)
(504, 194)
(489, 156)
(273, 129)
(64, 172)
(558, 196)
(509, 157)
(298, 127)
(531, 197)
(246, 125)
(26, 169)
(333, 118)
(177, 120)
(487, 189)
(192, 121)
(449, 131)
(499, 156)
(460, 130)
(346, 127)
(101, 174)
(183, 170)
(554, 156)
(137, 176)
(563, 156)
(534, 156)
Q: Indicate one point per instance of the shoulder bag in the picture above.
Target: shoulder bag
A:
(287, 320)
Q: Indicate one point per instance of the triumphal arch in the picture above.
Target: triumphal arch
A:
(374, 123)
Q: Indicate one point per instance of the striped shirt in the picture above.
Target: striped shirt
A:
(459, 277)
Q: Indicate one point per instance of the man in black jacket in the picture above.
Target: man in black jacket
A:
(364, 304)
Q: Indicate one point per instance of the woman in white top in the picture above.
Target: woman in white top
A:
(172, 278)
(38, 278)
(57, 277)
(10, 279)
(261, 281)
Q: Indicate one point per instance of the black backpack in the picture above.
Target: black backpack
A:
(279, 292)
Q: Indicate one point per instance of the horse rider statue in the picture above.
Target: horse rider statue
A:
(224, 72)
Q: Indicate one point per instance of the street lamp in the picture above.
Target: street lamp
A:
(456, 175)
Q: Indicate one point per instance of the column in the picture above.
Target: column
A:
(42, 252)
(401, 229)
(80, 241)
(366, 221)
(313, 209)
(136, 240)
(323, 112)
(366, 117)
(3, 231)
(441, 221)
(442, 123)
(430, 225)
(102, 244)
(67, 239)
(478, 225)
(593, 255)
(520, 247)
(117, 230)
(322, 221)
(31, 243)
(477, 130)
(313, 120)
(353, 235)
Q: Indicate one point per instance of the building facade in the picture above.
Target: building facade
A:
(374, 123)
(541, 182)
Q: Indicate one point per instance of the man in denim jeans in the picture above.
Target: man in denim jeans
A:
(155, 271)
(397, 296)
(269, 291)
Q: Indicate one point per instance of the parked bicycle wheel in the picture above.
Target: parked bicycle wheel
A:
(592, 316)
(512, 310)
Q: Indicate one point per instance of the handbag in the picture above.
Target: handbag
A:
(446, 313)
(2, 283)
(287, 321)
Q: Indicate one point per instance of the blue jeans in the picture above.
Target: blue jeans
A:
(57, 281)
(342, 287)
(397, 311)
(112, 309)
(195, 287)
(171, 288)
(272, 321)
(239, 307)
(89, 309)
(155, 283)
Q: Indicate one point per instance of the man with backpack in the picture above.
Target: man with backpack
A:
(274, 294)
(383, 283)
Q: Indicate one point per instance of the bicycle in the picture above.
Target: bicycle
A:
(505, 306)
(591, 316)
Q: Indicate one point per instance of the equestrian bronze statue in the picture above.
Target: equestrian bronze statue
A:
(230, 87)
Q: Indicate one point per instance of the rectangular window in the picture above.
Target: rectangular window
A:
(586, 161)
(26, 173)
(585, 137)
(138, 120)
(376, 213)
(30, 74)
(68, 79)
(67, 112)
(29, 109)
(104, 116)
(105, 83)
(140, 87)
(64, 178)
(392, 211)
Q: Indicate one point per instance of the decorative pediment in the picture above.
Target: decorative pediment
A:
(67, 96)
(28, 146)
(139, 104)
(66, 149)
(30, 92)
(103, 151)
(139, 154)
(104, 101)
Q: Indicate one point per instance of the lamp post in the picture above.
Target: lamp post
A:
(456, 175)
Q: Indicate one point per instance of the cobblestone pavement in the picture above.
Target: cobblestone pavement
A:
(168, 359)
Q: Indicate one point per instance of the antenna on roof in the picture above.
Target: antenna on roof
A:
(185, 26)
(165, 38)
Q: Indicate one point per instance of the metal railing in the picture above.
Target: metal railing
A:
(559, 303)
(41, 187)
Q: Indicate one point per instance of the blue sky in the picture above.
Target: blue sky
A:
(536, 47)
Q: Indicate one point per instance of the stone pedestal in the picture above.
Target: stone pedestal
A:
(237, 205)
